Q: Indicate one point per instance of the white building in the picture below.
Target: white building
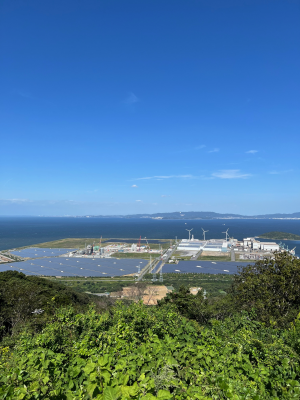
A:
(269, 246)
(252, 243)
(248, 241)
(191, 245)
(256, 245)
(217, 245)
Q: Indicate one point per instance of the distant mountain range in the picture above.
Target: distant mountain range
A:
(200, 215)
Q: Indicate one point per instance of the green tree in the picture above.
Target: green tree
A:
(271, 287)
(21, 296)
(188, 305)
(199, 308)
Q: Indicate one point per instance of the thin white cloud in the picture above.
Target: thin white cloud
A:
(215, 150)
(200, 147)
(165, 195)
(160, 177)
(16, 200)
(280, 172)
(131, 99)
(251, 151)
(92, 191)
(230, 174)
(134, 186)
(138, 200)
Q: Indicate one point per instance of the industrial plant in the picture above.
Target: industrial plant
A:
(246, 249)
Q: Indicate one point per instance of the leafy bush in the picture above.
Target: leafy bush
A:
(137, 352)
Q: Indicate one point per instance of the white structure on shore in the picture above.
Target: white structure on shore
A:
(254, 244)
(205, 245)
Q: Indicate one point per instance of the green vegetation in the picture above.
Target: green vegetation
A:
(280, 236)
(157, 246)
(68, 243)
(149, 353)
(182, 257)
(214, 258)
(243, 345)
(102, 286)
(75, 243)
(271, 287)
(213, 284)
(21, 295)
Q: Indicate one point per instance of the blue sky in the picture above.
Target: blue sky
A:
(124, 107)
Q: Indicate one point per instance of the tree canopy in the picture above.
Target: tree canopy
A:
(271, 287)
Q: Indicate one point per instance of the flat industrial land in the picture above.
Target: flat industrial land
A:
(76, 243)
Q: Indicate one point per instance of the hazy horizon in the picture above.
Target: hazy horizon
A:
(124, 215)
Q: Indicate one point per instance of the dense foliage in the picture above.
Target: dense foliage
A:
(198, 307)
(271, 286)
(98, 286)
(21, 296)
(137, 352)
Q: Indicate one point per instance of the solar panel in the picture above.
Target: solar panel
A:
(75, 267)
(36, 252)
(220, 267)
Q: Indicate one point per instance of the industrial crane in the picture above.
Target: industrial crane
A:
(148, 247)
(139, 244)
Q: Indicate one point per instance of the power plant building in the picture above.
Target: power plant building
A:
(269, 246)
(254, 244)
(217, 245)
(207, 245)
(191, 245)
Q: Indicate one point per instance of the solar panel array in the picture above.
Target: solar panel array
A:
(73, 266)
(206, 267)
(36, 252)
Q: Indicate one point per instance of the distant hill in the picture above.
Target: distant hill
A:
(201, 215)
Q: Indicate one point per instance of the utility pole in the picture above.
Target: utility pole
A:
(161, 279)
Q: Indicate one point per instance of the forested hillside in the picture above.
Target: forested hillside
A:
(245, 345)
(30, 301)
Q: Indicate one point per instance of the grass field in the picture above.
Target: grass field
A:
(214, 258)
(68, 243)
(76, 243)
(181, 257)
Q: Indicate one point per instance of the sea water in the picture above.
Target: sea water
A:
(26, 231)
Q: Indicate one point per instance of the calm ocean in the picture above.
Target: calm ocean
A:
(25, 231)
